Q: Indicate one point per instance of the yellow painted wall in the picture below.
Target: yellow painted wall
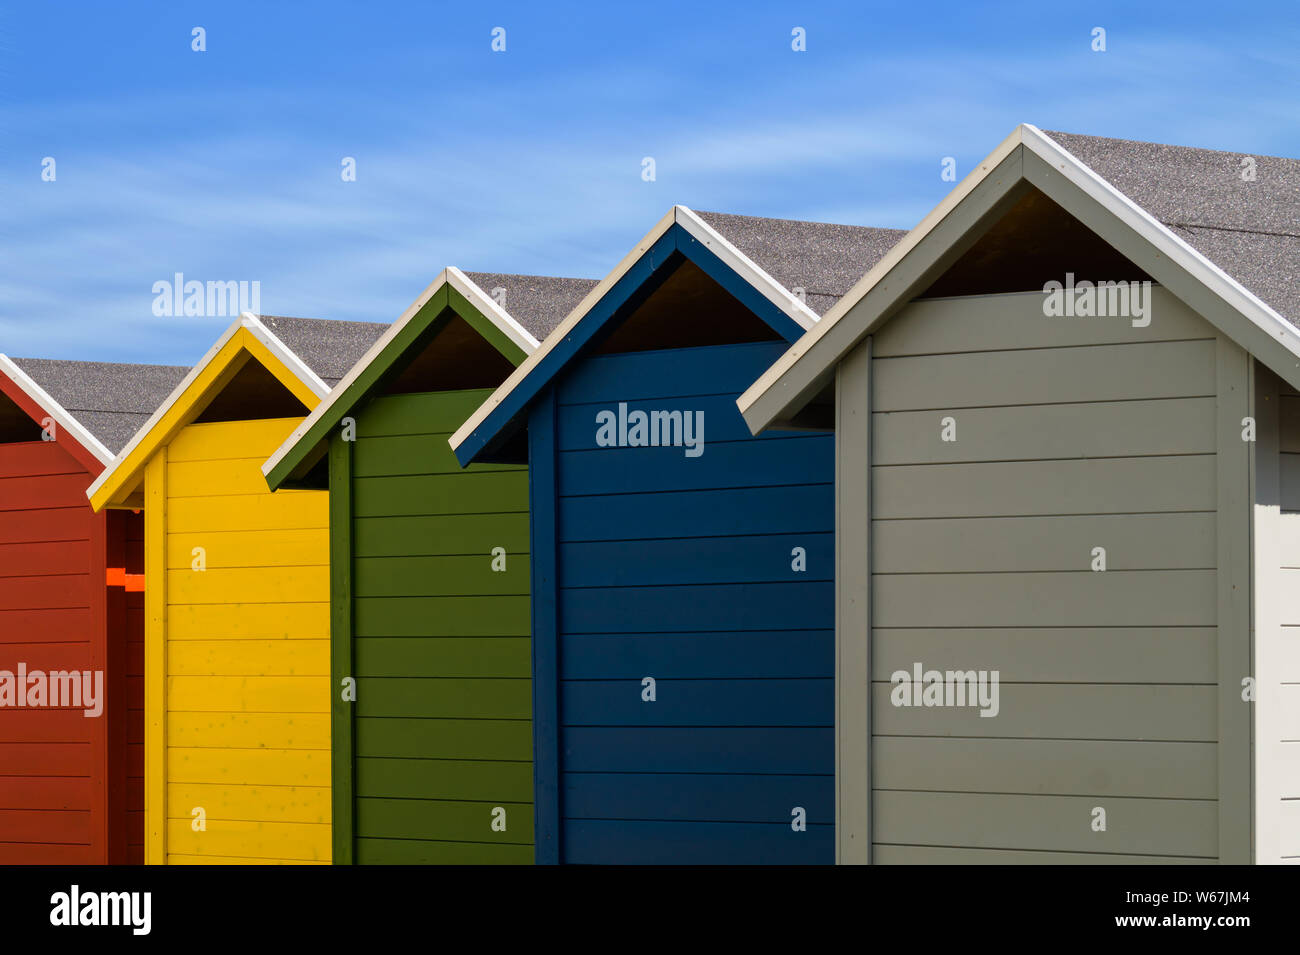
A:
(242, 728)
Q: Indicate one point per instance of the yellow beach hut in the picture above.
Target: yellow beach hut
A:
(237, 727)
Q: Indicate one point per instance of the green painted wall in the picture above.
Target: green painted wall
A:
(440, 734)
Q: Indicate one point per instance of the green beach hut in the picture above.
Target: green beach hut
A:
(429, 577)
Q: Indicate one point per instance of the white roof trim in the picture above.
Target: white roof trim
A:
(746, 268)
(877, 272)
(452, 276)
(281, 351)
(62, 417)
(1164, 239)
(492, 311)
(1147, 227)
(718, 244)
(263, 334)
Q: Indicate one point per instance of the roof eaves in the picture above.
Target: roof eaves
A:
(759, 404)
(783, 386)
(62, 417)
(717, 243)
(246, 322)
(561, 331)
(450, 276)
(714, 241)
(1167, 241)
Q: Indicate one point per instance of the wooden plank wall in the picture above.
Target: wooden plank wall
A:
(50, 759)
(680, 569)
(1071, 434)
(247, 732)
(443, 729)
(1277, 625)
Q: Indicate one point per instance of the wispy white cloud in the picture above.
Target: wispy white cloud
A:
(530, 172)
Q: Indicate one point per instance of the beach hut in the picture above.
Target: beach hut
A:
(71, 614)
(1066, 499)
(681, 569)
(429, 580)
(236, 654)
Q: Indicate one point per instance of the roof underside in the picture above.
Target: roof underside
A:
(1250, 229)
(109, 399)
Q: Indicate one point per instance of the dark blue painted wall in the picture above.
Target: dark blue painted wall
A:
(651, 563)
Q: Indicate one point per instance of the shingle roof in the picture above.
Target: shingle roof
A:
(537, 302)
(822, 258)
(328, 348)
(1250, 229)
(110, 400)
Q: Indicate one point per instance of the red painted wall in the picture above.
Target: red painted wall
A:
(70, 785)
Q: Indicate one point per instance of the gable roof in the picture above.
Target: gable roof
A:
(1183, 215)
(734, 251)
(536, 302)
(536, 305)
(328, 346)
(822, 258)
(98, 404)
(1249, 228)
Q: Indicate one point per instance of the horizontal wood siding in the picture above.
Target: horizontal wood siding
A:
(246, 653)
(1277, 620)
(51, 780)
(680, 569)
(1070, 434)
(1287, 675)
(440, 647)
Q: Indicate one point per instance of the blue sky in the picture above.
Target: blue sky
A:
(225, 165)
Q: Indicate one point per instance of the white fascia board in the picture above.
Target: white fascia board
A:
(56, 411)
(449, 276)
(490, 310)
(561, 331)
(702, 232)
(805, 350)
(259, 331)
(746, 268)
(165, 407)
(287, 357)
(1165, 240)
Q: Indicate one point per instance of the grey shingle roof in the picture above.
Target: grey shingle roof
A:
(110, 400)
(328, 348)
(822, 258)
(1251, 230)
(537, 302)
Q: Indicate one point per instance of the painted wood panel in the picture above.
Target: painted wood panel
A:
(1180, 541)
(1082, 374)
(710, 575)
(245, 691)
(1276, 554)
(1016, 321)
(1070, 435)
(441, 728)
(65, 794)
(1171, 827)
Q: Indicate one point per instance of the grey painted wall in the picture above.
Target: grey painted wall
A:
(1071, 434)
